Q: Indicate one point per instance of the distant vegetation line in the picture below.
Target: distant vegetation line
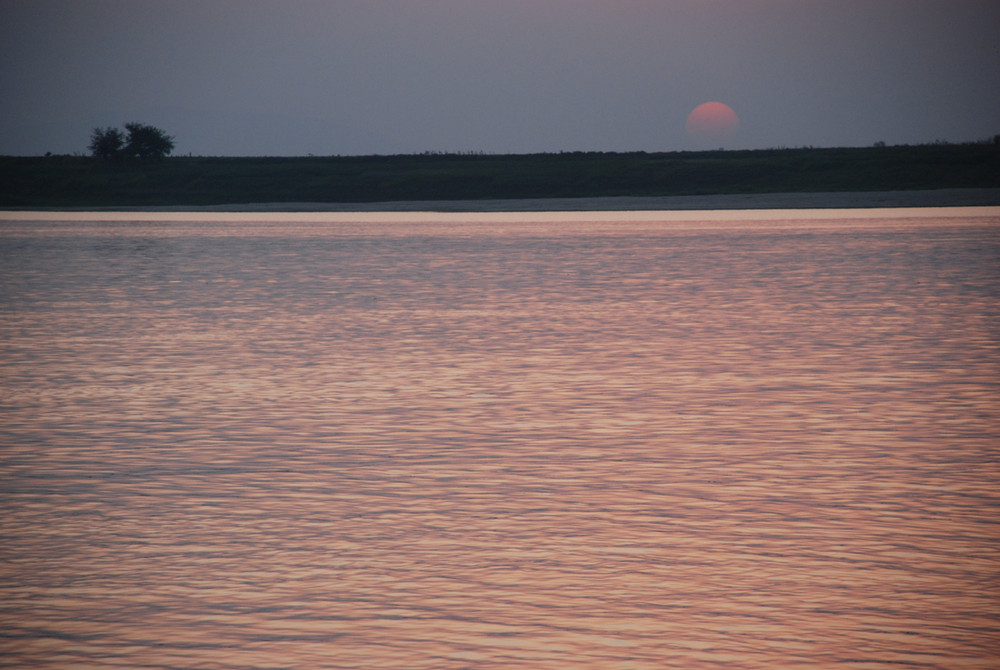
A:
(76, 181)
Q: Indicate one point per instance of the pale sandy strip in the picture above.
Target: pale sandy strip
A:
(778, 205)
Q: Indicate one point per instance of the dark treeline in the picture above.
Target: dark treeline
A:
(76, 181)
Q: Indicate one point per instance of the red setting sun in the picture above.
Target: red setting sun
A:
(712, 122)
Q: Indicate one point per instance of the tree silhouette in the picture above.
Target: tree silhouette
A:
(143, 143)
(146, 142)
(106, 143)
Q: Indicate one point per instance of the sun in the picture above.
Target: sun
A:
(712, 123)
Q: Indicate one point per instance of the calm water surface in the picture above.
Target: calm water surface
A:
(609, 441)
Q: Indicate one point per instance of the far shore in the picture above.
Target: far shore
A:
(956, 197)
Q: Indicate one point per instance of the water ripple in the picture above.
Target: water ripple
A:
(609, 443)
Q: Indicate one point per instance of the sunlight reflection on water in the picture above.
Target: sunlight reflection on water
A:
(588, 440)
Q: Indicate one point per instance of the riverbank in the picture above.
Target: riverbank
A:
(955, 197)
(970, 197)
(577, 180)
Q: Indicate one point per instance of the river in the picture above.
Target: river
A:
(635, 440)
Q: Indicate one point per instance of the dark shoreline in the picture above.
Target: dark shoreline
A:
(954, 197)
(928, 175)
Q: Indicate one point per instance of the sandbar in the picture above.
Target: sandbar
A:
(952, 197)
(956, 197)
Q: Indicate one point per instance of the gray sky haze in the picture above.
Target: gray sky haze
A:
(229, 77)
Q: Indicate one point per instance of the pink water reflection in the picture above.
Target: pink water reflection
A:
(521, 441)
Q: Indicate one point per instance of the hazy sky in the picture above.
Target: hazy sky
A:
(289, 77)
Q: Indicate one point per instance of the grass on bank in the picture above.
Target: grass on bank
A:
(75, 181)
